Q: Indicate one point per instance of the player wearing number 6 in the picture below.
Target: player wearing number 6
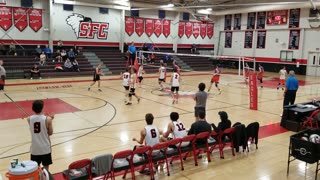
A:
(175, 83)
(40, 127)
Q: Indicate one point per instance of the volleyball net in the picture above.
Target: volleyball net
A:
(184, 60)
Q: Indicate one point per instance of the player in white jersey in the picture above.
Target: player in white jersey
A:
(126, 83)
(177, 128)
(175, 83)
(133, 84)
(140, 74)
(40, 128)
(282, 78)
(162, 75)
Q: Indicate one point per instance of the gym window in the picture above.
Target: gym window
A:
(286, 56)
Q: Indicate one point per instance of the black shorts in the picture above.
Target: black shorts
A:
(45, 159)
(126, 88)
(197, 110)
(174, 89)
(140, 78)
(161, 80)
(132, 91)
(96, 78)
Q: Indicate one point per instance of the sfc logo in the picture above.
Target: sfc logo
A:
(83, 27)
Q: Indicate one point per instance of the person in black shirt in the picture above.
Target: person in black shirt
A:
(35, 71)
(224, 124)
(200, 126)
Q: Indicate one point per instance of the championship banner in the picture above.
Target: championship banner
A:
(149, 27)
(35, 19)
(294, 38)
(181, 29)
(157, 27)
(188, 29)
(210, 30)
(196, 30)
(129, 28)
(253, 91)
(166, 27)
(139, 26)
(203, 30)
(20, 18)
(5, 17)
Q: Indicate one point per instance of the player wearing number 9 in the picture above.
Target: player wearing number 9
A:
(150, 134)
(40, 127)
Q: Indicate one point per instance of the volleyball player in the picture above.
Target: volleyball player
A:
(260, 75)
(246, 73)
(133, 82)
(175, 83)
(162, 74)
(282, 78)
(96, 77)
(126, 82)
(215, 78)
(140, 73)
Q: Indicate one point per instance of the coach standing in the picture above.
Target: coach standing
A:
(290, 92)
(132, 53)
(2, 76)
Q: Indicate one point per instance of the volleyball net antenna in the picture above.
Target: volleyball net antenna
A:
(241, 60)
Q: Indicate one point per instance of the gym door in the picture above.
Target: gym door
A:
(313, 68)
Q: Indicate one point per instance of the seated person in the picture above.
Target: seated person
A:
(43, 58)
(12, 49)
(68, 67)
(57, 56)
(48, 52)
(71, 55)
(58, 67)
(177, 128)
(63, 54)
(38, 52)
(152, 58)
(193, 48)
(75, 65)
(224, 124)
(35, 71)
(200, 126)
(76, 50)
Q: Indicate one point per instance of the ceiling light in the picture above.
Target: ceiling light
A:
(170, 5)
(209, 9)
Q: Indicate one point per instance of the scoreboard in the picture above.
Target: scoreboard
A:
(277, 17)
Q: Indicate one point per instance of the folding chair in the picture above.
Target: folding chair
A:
(223, 142)
(253, 133)
(159, 153)
(175, 150)
(312, 120)
(123, 156)
(145, 151)
(213, 144)
(196, 147)
(84, 164)
(186, 150)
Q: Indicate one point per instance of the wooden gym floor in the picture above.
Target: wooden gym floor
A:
(89, 123)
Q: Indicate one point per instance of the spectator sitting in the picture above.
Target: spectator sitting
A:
(58, 67)
(152, 58)
(3, 49)
(150, 47)
(48, 52)
(193, 48)
(43, 58)
(200, 126)
(35, 71)
(224, 124)
(38, 52)
(71, 55)
(58, 56)
(75, 65)
(68, 67)
(76, 50)
(145, 48)
(63, 55)
(12, 49)
(60, 45)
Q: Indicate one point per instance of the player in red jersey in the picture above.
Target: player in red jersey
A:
(260, 75)
(215, 78)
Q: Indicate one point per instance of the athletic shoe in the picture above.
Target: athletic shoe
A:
(128, 103)
(100, 90)
(277, 88)
(88, 89)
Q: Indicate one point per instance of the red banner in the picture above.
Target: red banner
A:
(129, 28)
(188, 29)
(149, 27)
(166, 27)
(196, 29)
(210, 30)
(35, 19)
(157, 27)
(253, 92)
(20, 18)
(139, 24)
(5, 18)
(181, 29)
(203, 30)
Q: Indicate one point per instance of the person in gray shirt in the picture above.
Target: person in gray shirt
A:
(2, 76)
(201, 100)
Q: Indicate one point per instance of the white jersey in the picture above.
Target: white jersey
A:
(140, 71)
(40, 144)
(179, 131)
(162, 72)
(125, 79)
(283, 74)
(175, 80)
(152, 135)
(133, 81)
